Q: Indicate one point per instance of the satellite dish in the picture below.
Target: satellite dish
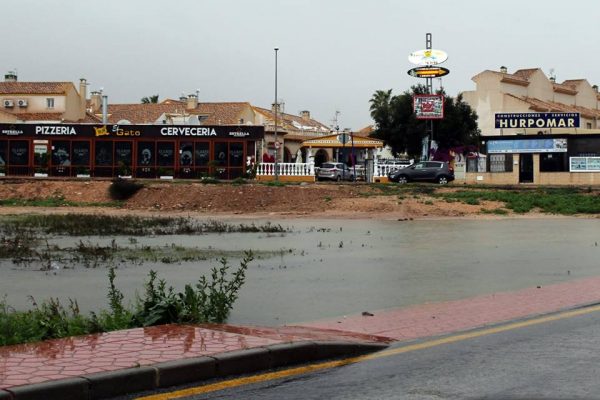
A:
(123, 122)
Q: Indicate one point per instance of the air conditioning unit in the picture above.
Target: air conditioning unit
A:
(8, 103)
(22, 103)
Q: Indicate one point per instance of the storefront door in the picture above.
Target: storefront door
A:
(526, 168)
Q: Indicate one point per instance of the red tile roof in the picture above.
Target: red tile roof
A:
(215, 113)
(295, 123)
(39, 116)
(551, 106)
(34, 87)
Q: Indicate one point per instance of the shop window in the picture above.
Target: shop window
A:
(202, 154)
(18, 152)
(145, 154)
(501, 162)
(3, 150)
(81, 154)
(236, 154)
(61, 153)
(104, 154)
(166, 154)
(186, 154)
(553, 162)
(123, 157)
(221, 154)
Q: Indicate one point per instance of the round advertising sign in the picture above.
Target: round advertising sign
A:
(427, 57)
(428, 72)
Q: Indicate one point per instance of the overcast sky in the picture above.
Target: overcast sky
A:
(334, 54)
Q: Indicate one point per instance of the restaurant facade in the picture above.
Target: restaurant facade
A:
(141, 151)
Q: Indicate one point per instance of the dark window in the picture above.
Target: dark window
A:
(433, 165)
(40, 155)
(81, 153)
(104, 153)
(61, 153)
(236, 154)
(220, 153)
(123, 152)
(186, 154)
(145, 154)
(18, 152)
(166, 153)
(3, 148)
(553, 162)
(500, 162)
(202, 154)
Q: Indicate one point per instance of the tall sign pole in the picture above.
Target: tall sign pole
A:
(429, 84)
(276, 144)
(428, 106)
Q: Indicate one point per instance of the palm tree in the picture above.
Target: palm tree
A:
(150, 99)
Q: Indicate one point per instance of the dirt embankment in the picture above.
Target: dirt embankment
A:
(318, 200)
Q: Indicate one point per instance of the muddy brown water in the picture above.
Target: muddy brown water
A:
(342, 267)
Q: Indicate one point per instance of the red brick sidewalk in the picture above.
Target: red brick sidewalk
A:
(71, 357)
(65, 358)
(441, 318)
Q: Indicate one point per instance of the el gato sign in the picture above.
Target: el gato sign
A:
(427, 57)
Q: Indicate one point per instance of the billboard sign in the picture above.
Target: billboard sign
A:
(428, 72)
(427, 57)
(537, 120)
(515, 146)
(428, 106)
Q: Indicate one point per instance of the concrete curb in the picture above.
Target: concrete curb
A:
(126, 381)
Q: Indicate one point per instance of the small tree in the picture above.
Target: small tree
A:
(398, 127)
(150, 99)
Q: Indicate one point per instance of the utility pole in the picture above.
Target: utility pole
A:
(429, 84)
(276, 144)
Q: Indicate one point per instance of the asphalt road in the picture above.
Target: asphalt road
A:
(551, 360)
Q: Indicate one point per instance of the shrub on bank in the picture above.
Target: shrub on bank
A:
(209, 300)
(122, 189)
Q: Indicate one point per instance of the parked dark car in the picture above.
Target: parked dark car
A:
(335, 171)
(428, 171)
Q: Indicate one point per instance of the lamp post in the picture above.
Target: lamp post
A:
(276, 112)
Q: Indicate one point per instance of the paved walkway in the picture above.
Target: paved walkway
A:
(72, 357)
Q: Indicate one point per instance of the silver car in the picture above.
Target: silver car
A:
(335, 171)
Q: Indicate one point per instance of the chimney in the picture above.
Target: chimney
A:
(96, 101)
(192, 102)
(276, 106)
(553, 79)
(83, 96)
(305, 115)
(595, 87)
(11, 76)
(504, 70)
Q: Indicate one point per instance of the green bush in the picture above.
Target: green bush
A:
(209, 300)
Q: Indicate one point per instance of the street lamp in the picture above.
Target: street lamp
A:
(276, 111)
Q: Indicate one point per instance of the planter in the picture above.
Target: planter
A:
(166, 177)
(125, 176)
(40, 175)
(83, 175)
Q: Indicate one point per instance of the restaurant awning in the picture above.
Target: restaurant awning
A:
(335, 141)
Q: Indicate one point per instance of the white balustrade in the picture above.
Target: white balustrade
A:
(284, 169)
(384, 170)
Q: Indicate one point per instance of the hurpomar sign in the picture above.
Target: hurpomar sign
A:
(142, 131)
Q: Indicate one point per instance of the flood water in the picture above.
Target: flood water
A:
(330, 268)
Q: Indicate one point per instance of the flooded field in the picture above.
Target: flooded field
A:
(317, 269)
